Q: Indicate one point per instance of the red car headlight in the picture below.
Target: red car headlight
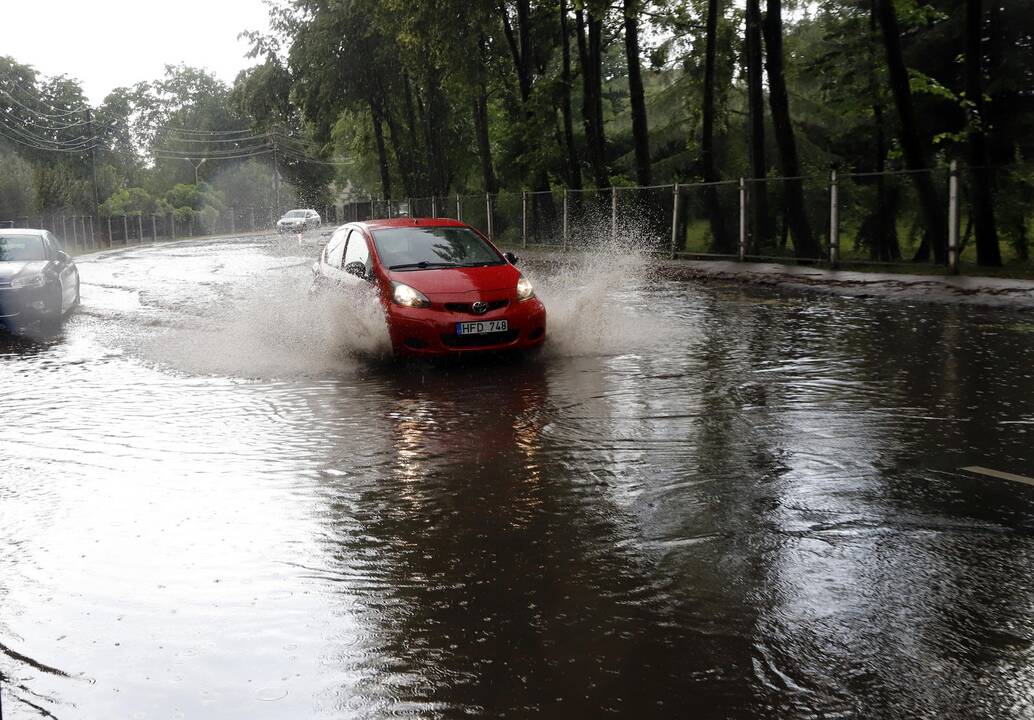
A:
(408, 297)
(524, 290)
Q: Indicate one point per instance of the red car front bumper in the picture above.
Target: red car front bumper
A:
(432, 331)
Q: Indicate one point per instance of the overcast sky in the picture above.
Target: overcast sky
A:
(110, 43)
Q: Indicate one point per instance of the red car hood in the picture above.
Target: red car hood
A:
(450, 281)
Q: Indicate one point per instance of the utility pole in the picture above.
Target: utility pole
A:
(93, 160)
(276, 173)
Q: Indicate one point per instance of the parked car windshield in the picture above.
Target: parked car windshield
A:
(412, 247)
(295, 214)
(22, 248)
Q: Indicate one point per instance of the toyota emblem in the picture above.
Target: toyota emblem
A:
(479, 308)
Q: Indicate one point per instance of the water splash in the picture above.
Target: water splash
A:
(597, 300)
(278, 329)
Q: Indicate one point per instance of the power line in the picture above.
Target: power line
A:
(34, 146)
(206, 132)
(37, 112)
(214, 141)
(159, 155)
(35, 97)
(27, 121)
(47, 142)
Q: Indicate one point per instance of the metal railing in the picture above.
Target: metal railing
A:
(853, 218)
(744, 219)
(85, 232)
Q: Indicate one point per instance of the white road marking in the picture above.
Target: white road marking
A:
(999, 474)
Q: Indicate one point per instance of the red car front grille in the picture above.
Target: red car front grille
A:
(468, 307)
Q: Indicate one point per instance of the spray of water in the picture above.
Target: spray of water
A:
(597, 296)
(278, 329)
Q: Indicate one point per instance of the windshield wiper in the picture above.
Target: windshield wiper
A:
(423, 265)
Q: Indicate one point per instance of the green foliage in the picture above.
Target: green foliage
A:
(17, 191)
(128, 201)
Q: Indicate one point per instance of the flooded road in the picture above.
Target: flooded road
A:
(219, 500)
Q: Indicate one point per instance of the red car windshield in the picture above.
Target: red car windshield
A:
(415, 248)
(22, 248)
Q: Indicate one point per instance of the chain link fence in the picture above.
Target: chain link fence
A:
(841, 218)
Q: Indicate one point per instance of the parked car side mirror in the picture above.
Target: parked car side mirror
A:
(63, 256)
(356, 268)
(510, 258)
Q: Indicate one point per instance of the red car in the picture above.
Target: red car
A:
(445, 287)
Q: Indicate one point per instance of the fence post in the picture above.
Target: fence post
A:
(564, 236)
(140, 227)
(524, 219)
(75, 234)
(834, 219)
(125, 230)
(488, 213)
(434, 207)
(64, 229)
(743, 220)
(154, 229)
(675, 222)
(953, 219)
(233, 221)
(93, 234)
(110, 241)
(613, 214)
(459, 208)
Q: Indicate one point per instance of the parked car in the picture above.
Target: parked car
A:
(445, 287)
(296, 221)
(38, 279)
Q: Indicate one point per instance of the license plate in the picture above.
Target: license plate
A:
(481, 327)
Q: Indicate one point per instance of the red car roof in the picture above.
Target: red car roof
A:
(411, 222)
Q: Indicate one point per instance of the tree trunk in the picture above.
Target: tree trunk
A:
(911, 143)
(721, 240)
(417, 169)
(761, 220)
(402, 156)
(803, 241)
(640, 129)
(884, 244)
(589, 41)
(382, 152)
(574, 169)
(596, 63)
(988, 252)
(484, 143)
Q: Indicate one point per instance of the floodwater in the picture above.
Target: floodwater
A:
(219, 500)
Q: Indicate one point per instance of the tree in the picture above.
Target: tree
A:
(761, 222)
(589, 28)
(722, 241)
(640, 128)
(911, 140)
(988, 252)
(778, 99)
(574, 168)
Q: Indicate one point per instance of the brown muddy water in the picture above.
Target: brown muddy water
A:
(219, 500)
